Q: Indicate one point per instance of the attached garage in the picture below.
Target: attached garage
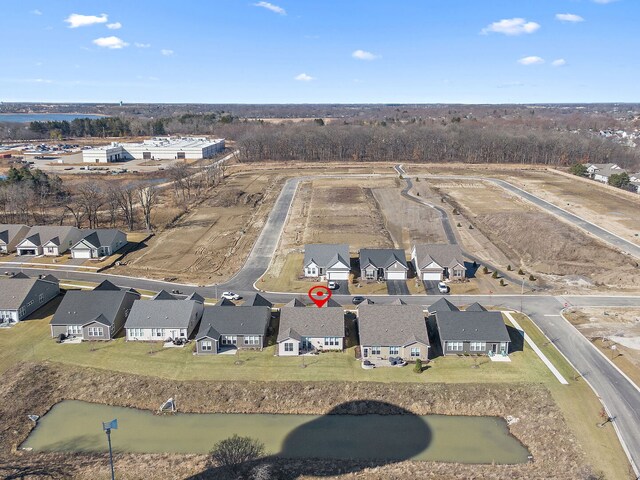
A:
(76, 253)
(396, 275)
(337, 275)
(431, 276)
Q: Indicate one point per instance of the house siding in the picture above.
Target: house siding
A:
(214, 347)
(318, 343)
(48, 290)
(296, 348)
(404, 352)
(106, 331)
(466, 348)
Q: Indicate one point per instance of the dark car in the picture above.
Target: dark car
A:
(357, 300)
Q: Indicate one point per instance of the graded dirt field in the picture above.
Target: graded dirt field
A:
(211, 242)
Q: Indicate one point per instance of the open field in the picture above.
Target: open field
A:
(612, 327)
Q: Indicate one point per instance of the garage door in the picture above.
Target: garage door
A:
(431, 275)
(396, 276)
(338, 276)
(81, 254)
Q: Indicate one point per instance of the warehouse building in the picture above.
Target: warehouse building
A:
(159, 148)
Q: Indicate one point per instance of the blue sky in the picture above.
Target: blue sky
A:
(320, 51)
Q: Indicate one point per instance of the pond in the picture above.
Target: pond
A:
(75, 426)
(45, 117)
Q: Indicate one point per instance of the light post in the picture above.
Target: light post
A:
(107, 427)
(521, 295)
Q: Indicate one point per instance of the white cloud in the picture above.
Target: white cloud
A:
(364, 55)
(166, 52)
(511, 26)
(36, 12)
(569, 17)
(76, 20)
(114, 26)
(272, 7)
(560, 62)
(303, 77)
(532, 60)
(110, 42)
(142, 45)
(38, 80)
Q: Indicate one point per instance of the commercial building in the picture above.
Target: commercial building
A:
(159, 148)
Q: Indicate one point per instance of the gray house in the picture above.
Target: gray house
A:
(160, 320)
(442, 305)
(472, 332)
(392, 331)
(383, 264)
(256, 300)
(49, 240)
(99, 243)
(10, 236)
(232, 328)
(438, 262)
(97, 314)
(309, 329)
(21, 295)
(328, 260)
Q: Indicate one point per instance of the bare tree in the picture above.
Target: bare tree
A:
(91, 198)
(148, 198)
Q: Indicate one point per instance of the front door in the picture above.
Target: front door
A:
(366, 353)
(494, 348)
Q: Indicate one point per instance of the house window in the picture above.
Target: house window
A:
(74, 329)
(457, 273)
(22, 311)
(375, 350)
(206, 345)
(331, 341)
(157, 332)
(454, 346)
(183, 332)
(96, 331)
(41, 298)
(288, 347)
(229, 340)
(415, 351)
(394, 350)
(478, 346)
(369, 275)
(30, 303)
(135, 332)
(252, 340)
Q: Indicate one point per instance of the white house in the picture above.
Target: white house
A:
(438, 262)
(158, 148)
(602, 171)
(328, 260)
(49, 240)
(99, 243)
(309, 329)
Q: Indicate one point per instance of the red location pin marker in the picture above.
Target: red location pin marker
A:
(319, 295)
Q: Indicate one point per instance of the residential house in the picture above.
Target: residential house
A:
(256, 300)
(99, 243)
(21, 295)
(392, 331)
(438, 262)
(327, 260)
(383, 264)
(475, 307)
(602, 171)
(97, 314)
(49, 240)
(10, 236)
(160, 320)
(472, 332)
(232, 328)
(310, 329)
(442, 305)
(296, 302)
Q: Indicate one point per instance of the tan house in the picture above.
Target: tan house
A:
(438, 262)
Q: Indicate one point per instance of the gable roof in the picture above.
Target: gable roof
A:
(398, 301)
(100, 237)
(311, 322)
(472, 326)
(296, 302)
(235, 320)
(445, 255)
(9, 233)
(256, 300)
(80, 307)
(392, 325)
(163, 295)
(225, 302)
(14, 290)
(195, 296)
(107, 286)
(442, 305)
(382, 257)
(207, 331)
(475, 307)
(326, 254)
(43, 234)
(165, 314)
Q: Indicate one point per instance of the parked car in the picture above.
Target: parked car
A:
(231, 296)
(357, 300)
(333, 285)
(442, 287)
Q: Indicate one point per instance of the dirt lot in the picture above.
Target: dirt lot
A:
(541, 426)
(531, 239)
(211, 242)
(612, 327)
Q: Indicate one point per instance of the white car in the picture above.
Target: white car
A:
(231, 296)
(332, 286)
(442, 287)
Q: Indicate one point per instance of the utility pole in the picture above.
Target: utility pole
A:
(107, 427)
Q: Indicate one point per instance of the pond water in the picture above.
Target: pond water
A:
(44, 117)
(75, 426)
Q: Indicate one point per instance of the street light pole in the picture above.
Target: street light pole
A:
(107, 427)
(521, 295)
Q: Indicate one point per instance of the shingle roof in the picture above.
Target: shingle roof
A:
(472, 326)
(475, 307)
(81, 307)
(14, 290)
(195, 296)
(296, 302)
(445, 255)
(326, 254)
(225, 302)
(107, 285)
(40, 235)
(311, 322)
(382, 257)
(163, 295)
(162, 314)
(9, 232)
(442, 305)
(398, 301)
(101, 237)
(391, 325)
(235, 320)
(256, 300)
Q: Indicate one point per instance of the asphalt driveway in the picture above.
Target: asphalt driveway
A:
(397, 287)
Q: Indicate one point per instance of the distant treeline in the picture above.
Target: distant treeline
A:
(454, 142)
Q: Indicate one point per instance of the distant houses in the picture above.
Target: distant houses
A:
(21, 295)
(472, 332)
(327, 260)
(602, 172)
(438, 262)
(383, 264)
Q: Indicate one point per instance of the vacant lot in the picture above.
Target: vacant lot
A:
(615, 331)
(211, 242)
(537, 241)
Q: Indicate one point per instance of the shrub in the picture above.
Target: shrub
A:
(502, 282)
(459, 224)
(509, 267)
(234, 451)
(418, 366)
(485, 270)
(494, 274)
(532, 278)
(520, 272)
(470, 227)
(455, 211)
